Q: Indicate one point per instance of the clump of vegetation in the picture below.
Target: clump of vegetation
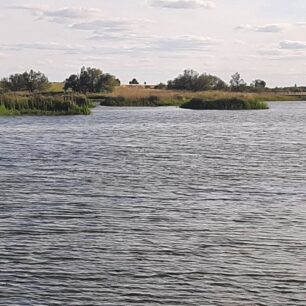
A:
(237, 83)
(123, 101)
(91, 80)
(225, 104)
(160, 86)
(26, 81)
(193, 81)
(56, 87)
(140, 101)
(134, 82)
(178, 97)
(12, 104)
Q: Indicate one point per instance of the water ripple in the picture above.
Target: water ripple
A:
(154, 206)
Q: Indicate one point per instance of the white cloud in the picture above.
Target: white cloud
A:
(109, 25)
(141, 43)
(239, 42)
(293, 45)
(87, 19)
(300, 24)
(289, 57)
(184, 4)
(269, 52)
(42, 46)
(268, 28)
(73, 13)
(271, 28)
(109, 34)
(60, 14)
(285, 51)
(244, 27)
(185, 43)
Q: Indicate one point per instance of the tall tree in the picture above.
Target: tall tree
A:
(191, 80)
(237, 83)
(91, 80)
(30, 81)
(260, 84)
(134, 82)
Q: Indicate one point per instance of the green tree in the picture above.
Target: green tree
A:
(36, 81)
(237, 83)
(73, 83)
(259, 84)
(193, 81)
(91, 80)
(160, 86)
(185, 81)
(30, 81)
(134, 82)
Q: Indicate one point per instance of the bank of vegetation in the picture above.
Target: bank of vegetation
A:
(37, 104)
(225, 104)
(192, 85)
(141, 96)
(32, 93)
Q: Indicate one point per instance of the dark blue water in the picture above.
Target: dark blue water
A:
(154, 206)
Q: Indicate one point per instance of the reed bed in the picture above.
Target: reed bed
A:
(141, 101)
(225, 104)
(141, 96)
(14, 104)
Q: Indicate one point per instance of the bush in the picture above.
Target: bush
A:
(122, 101)
(192, 81)
(225, 104)
(160, 86)
(29, 81)
(91, 80)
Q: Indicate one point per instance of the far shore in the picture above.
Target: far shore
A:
(56, 101)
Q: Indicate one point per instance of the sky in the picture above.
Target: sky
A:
(155, 40)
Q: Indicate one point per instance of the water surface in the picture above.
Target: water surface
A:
(154, 206)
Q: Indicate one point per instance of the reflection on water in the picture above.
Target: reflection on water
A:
(154, 206)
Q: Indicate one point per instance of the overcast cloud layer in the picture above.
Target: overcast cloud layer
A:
(154, 40)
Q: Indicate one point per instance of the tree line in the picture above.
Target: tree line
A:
(89, 80)
(191, 80)
(26, 81)
(94, 80)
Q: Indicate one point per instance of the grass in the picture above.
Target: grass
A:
(141, 101)
(56, 87)
(225, 104)
(141, 96)
(56, 102)
(14, 104)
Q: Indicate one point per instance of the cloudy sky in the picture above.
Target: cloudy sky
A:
(155, 40)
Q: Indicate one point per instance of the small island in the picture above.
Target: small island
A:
(225, 104)
(48, 105)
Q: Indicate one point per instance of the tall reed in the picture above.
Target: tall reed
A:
(38, 104)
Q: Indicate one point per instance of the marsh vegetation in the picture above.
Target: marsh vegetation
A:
(142, 96)
(32, 93)
(37, 104)
(225, 104)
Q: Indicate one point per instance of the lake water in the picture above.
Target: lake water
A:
(154, 206)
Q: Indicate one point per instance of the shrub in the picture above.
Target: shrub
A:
(91, 80)
(225, 104)
(192, 81)
(30, 81)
